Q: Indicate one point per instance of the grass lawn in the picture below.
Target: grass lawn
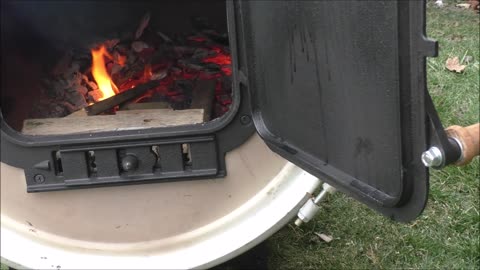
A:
(447, 234)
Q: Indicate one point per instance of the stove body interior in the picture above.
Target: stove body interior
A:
(89, 66)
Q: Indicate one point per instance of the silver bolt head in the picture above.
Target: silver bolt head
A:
(432, 157)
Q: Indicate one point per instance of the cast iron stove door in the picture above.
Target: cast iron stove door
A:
(338, 88)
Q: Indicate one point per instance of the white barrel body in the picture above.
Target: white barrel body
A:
(186, 224)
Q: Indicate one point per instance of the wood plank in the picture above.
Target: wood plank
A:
(126, 120)
(79, 113)
(202, 97)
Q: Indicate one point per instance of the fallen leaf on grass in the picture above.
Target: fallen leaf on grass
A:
(464, 5)
(453, 64)
(439, 3)
(372, 256)
(324, 237)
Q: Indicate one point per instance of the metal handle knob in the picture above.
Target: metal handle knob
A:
(129, 163)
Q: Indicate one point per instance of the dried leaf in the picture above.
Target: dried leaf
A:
(453, 64)
(372, 256)
(464, 5)
(324, 237)
(439, 3)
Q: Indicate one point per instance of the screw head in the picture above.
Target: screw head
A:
(432, 157)
(245, 119)
(39, 178)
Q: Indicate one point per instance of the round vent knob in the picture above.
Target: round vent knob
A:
(129, 163)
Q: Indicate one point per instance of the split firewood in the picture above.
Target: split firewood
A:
(76, 99)
(126, 120)
(120, 98)
(79, 113)
(202, 97)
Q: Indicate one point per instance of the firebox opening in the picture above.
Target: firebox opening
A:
(73, 67)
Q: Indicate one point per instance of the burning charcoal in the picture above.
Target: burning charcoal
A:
(185, 86)
(119, 58)
(194, 66)
(95, 95)
(138, 46)
(182, 50)
(92, 86)
(76, 78)
(73, 76)
(215, 36)
(131, 58)
(111, 43)
(55, 88)
(78, 88)
(212, 67)
(63, 64)
(191, 64)
(89, 84)
(164, 37)
(122, 49)
(202, 53)
(49, 110)
(76, 99)
(158, 75)
(115, 69)
(147, 53)
(143, 24)
(197, 38)
(176, 71)
(65, 108)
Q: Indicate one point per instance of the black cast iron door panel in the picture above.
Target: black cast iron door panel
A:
(338, 88)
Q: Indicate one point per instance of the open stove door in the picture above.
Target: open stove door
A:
(338, 88)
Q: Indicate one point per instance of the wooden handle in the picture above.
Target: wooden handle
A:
(469, 138)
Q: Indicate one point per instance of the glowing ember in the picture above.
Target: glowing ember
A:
(100, 74)
(147, 72)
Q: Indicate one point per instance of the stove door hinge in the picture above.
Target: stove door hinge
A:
(443, 150)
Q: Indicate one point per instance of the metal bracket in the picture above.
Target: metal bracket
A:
(125, 163)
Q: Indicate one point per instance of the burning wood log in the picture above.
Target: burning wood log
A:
(120, 98)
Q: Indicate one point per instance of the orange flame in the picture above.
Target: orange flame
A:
(100, 74)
